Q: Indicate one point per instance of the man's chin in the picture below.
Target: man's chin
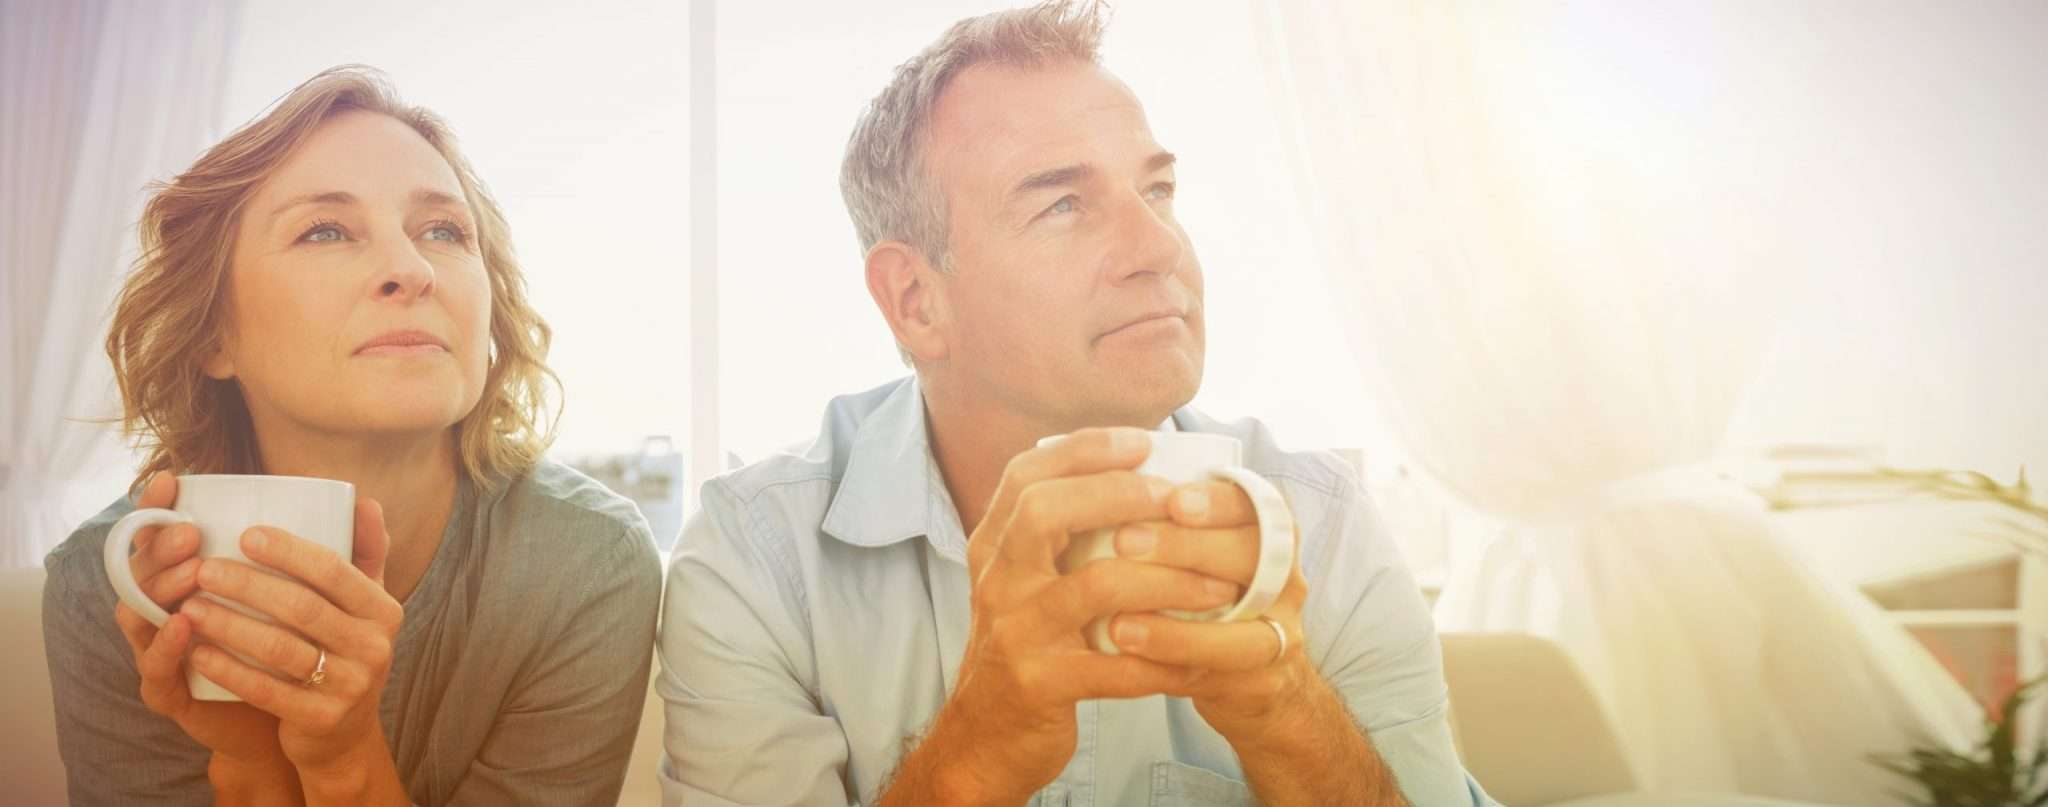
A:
(1145, 396)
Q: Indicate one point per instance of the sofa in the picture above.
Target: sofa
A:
(1527, 727)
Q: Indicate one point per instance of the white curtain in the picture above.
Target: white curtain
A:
(96, 100)
(1562, 238)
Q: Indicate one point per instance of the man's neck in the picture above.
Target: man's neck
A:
(973, 439)
(412, 477)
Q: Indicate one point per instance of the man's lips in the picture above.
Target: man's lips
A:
(1147, 321)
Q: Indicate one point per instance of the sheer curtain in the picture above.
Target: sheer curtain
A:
(96, 99)
(1562, 239)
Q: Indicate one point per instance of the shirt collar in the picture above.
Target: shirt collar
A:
(892, 490)
(884, 495)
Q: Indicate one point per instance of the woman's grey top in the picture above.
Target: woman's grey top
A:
(519, 673)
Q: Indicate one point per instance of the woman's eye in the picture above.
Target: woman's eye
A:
(323, 233)
(1163, 190)
(445, 232)
(1066, 204)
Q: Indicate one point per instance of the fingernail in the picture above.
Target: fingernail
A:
(1125, 440)
(1130, 634)
(196, 608)
(1159, 488)
(254, 539)
(1194, 503)
(212, 574)
(1221, 590)
(1136, 540)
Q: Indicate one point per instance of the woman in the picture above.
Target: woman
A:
(330, 292)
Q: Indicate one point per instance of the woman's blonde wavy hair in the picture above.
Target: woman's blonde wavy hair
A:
(171, 310)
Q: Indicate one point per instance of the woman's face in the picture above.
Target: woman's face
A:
(359, 301)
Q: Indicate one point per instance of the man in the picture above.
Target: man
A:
(878, 620)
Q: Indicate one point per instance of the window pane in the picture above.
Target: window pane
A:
(577, 118)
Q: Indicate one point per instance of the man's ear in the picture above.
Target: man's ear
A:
(905, 287)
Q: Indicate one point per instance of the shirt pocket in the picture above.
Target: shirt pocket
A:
(1174, 783)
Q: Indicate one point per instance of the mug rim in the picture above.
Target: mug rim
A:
(268, 478)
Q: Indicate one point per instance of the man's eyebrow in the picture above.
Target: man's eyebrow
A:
(1053, 178)
(1068, 175)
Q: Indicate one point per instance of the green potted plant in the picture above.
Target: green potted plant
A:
(1994, 774)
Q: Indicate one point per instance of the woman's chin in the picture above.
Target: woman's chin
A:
(411, 415)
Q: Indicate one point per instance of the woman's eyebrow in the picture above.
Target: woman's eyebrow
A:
(319, 198)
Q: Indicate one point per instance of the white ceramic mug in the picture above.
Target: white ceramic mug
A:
(1187, 457)
(224, 506)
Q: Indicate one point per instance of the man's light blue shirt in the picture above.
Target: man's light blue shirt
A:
(817, 609)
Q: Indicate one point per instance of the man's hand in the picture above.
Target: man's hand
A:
(1009, 727)
(1248, 681)
(1297, 742)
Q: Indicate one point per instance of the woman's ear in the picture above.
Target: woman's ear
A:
(218, 365)
(905, 287)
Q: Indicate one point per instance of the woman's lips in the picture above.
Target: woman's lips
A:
(403, 343)
(401, 350)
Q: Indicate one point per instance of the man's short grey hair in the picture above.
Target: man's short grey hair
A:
(885, 180)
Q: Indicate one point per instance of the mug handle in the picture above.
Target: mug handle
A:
(119, 540)
(1276, 550)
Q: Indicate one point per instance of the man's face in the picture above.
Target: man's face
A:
(1075, 298)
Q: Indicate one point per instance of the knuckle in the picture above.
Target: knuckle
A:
(302, 608)
(377, 652)
(161, 586)
(227, 574)
(278, 646)
(1019, 466)
(315, 568)
(350, 687)
(154, 700)
(1128, 484)
(1034, 506)
(328, 716)
(1094, 585)
(1094, 438)
(163, 544)
(1002, 635)
(327, 567)
(1031, 677)
(982, 599)
(390, 616)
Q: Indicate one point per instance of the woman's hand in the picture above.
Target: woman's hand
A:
(165, 564)
(332, 642)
